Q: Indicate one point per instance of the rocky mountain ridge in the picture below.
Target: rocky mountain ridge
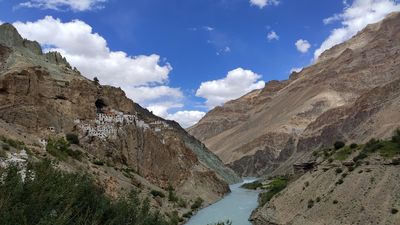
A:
(125, 146)
(351, 88)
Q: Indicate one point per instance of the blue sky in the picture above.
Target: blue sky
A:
(181, 58)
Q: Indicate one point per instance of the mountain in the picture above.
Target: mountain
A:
(43, 99)
(351, 88)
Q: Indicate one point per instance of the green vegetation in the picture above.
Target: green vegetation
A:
(188, 215)
(157, 194)
(98, 162)
(335, 202)
(310, 203)
(19, 145)
(197, 203)
(386, 148)
(394, 211)
(72, 138)
(339, 144)
(59, 148)
(273, 188)
(49, 196)
(171, 194)
(343, 153)
(252, 186)
(318, 199)
(5, 146)
(353, 145)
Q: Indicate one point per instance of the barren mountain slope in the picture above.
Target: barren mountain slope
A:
(42, 98)
(284, 112)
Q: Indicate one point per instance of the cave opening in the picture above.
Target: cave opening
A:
(100, 104)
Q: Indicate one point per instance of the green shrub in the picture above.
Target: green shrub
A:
(353, 145)
(72, 138)
(394, 211)
(171, 194)
(318, 199)
(157, 194)
(98, 162)
(3, 154)
(59, 148)
(338, 170)
(197, 203)
(19, 145)
(339, 144)
(182, 203)
(49, 196)
(306, 183)
(5, 146)
(252, 186)
(335, 202)
(273, 188)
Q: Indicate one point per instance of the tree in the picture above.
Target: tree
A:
(96, 80)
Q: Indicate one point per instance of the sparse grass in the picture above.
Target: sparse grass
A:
(19, 145)
(273, 188)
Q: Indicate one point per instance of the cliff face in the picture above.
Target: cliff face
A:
(42, 97)
(340, 97)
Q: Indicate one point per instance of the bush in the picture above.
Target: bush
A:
(49, 196)
(339, 145)
(157, 194)
(98, 162)
(188, 215)
(72, 138)
(353, 146)
(197, 203)
(273, 188)
(310, 203)
(338, 170)
(171, 194)
(59, 148)
(252, 186)
(5, 147)
(335, 202)
(318, 199)
(182, 203)
(394, 211)
(339, 182)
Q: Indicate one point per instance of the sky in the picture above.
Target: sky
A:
(182, 58)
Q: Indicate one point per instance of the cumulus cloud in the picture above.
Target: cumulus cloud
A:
(354, 18)
(142, 77)
(75, 5)
(236, 83)
(186, 118)
(302, 45)
(262, 3)
(272, 36)
(296, 69)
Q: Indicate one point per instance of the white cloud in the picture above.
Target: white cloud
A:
(354, 18)
(186, 118)
(208, 28)
(75, 5)
(272, 36)
(143, 78)
(302, 45)
(296, 69)
(262, 3)
(236, 83)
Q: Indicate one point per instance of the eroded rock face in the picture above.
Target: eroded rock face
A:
(350, 88)
(45, 98)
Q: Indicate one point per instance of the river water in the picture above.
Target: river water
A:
(236, 207)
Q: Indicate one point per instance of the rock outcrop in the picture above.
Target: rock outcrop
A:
(351, 88)
(42, 98)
